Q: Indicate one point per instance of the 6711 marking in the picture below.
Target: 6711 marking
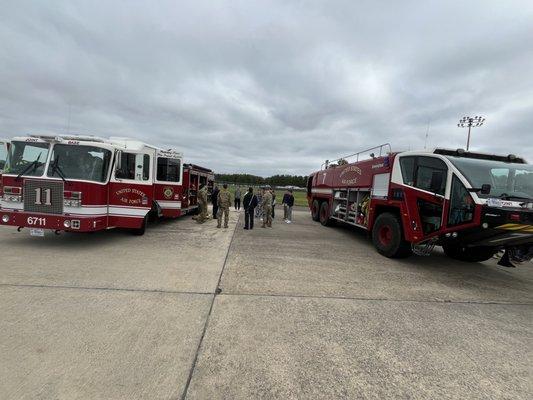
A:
(36, 221)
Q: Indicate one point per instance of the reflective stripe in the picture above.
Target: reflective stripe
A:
(516, 227)
(169, 204)
(321, 191)
(128, 211)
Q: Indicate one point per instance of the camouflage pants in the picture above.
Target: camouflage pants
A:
(223, 211)
(202, 216)
(267, 216)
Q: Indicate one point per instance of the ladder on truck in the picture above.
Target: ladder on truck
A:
(374, 150)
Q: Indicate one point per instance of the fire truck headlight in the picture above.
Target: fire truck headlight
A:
(5, 219)
(485, 225)
(454, 234)
(66, 223)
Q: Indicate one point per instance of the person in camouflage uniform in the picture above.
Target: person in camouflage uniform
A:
(267, 209)
(224, 203)
(202, 204)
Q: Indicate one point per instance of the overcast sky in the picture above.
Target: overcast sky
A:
(275, 86)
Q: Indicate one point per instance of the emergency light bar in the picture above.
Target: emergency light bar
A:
(511, 158)
(60, 138)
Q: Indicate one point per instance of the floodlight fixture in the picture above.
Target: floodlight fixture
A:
(470, 122)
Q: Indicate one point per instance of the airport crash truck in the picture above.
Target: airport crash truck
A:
(473, 205)
(87, 184)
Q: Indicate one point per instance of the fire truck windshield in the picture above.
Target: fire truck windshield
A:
(506, 179)
(89, 163)
(27, 158)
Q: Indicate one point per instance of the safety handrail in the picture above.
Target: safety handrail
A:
(380, 147)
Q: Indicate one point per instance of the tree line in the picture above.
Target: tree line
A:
(275, 180)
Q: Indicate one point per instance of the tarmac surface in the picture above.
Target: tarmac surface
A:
(298, 311)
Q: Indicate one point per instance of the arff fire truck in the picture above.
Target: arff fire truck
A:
(473, 205)
(87, 184)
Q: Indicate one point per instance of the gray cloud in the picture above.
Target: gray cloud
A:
(270, 87)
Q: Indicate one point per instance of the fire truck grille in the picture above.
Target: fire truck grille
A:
(43, 196)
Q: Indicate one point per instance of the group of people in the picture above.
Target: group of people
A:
(259, 205)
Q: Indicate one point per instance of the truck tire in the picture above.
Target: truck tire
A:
(324, 214)
(469, 254)
(315, 211)
(387, 236)
(140, 231)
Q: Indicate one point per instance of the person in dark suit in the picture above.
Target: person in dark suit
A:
(214, 200)
(249, 202)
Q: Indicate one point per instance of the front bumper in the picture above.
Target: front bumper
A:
(498, 228)
(52, 222)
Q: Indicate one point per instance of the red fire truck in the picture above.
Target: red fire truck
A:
(86, 184)
(473, 205)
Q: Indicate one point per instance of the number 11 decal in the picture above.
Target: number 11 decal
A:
(39, 196)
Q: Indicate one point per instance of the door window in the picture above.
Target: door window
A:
(168, 169)
(430, 175)
(407, 165)
(426, 173)
(461, 204)
(134, 167)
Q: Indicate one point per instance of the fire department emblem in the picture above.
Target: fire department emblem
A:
(168, 192)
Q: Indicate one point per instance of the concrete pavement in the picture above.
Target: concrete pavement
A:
(294, 312)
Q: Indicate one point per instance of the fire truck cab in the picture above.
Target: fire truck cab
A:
(472, 204)
(86, 183)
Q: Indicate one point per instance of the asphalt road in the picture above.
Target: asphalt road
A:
(298, 311)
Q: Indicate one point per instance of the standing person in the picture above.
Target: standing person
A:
(224, 203)
(284, 204)
(259, 209)
(202, 205)
(238, 198)
(267, 209)
(249, 202)
(288, 203)
(273, 201)
(214, 200)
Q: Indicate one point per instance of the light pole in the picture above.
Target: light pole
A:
(470, 122)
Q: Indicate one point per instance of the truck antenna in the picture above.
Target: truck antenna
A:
(427, 135)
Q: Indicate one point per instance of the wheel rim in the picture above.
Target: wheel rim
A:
(385, 235)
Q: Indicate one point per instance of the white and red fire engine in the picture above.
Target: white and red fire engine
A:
(86, 184)
(474, 205)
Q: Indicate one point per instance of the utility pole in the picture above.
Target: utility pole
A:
(469, 122)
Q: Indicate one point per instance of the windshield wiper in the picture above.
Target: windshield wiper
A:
(509, 197)
(57, 168)
(33, 164)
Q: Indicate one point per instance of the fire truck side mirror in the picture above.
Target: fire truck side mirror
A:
(118, 160)
(485, 188)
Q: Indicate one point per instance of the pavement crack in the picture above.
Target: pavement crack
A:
(97, 288)
(218, 291)
(384, 299)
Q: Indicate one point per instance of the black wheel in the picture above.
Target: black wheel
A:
(469, 254)
(324, 214)
(315, 210)
(140, 231)
(387, 236)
